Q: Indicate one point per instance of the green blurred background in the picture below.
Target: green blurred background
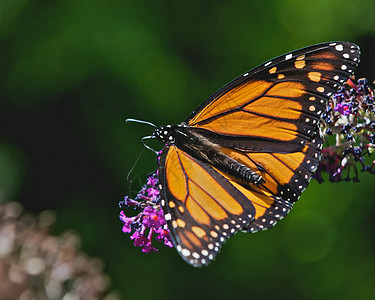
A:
(72, 71)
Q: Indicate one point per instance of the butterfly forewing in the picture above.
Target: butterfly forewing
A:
(276, 106)
(266, 119)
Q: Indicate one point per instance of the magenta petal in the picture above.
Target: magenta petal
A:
(152, 181)
(126, 229)
(127, 222)
(161, 218)
(139, 239)
(147, 248)
(149, 211)
(152, 192)
(163, 236)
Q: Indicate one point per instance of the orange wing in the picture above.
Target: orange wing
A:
(266, 119)
(276, 107)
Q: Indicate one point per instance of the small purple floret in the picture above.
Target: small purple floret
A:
(343, 108)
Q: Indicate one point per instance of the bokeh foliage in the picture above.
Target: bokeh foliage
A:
(73, 70)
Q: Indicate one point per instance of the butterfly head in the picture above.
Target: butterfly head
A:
(165, 134)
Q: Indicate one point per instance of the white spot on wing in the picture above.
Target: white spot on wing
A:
(339, 47)
(185, 252)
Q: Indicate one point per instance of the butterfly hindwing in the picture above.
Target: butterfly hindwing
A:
(202, 207)
(301, 167)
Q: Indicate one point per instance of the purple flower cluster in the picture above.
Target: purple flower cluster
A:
(348, 126)
(149, 222)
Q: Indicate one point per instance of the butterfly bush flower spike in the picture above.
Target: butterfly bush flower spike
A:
(348, 125)
(149, 223)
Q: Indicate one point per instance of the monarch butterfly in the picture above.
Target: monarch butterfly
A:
(244, 156)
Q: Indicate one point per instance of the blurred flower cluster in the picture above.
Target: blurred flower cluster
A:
(37, 265)
(149, 222)
(348, 126)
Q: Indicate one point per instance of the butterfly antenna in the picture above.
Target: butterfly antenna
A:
(143, 142)
(142, 122)
(149, 137)
(140, 154)
(135, 163)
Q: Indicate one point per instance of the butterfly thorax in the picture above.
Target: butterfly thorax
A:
(191, 141)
